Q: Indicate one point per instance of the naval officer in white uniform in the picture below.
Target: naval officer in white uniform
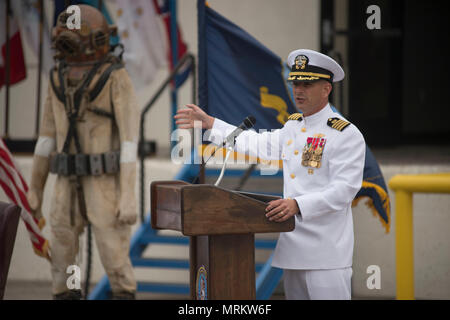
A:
(323, 160)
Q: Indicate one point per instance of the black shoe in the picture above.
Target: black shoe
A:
(123, 295)
(68, 295)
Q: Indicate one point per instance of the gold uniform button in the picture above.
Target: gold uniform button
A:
(296, 152)
(289, 142)
(303, 129)
(292, 175)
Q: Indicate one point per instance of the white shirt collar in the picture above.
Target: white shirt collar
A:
(322, 115)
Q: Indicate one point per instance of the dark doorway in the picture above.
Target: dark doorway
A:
(397, 75)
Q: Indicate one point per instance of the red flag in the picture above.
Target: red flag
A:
(15, 189)
(17, 70)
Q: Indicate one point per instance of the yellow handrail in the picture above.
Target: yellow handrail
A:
(404, 186)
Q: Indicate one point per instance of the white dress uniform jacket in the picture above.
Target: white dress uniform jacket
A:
(323, 234)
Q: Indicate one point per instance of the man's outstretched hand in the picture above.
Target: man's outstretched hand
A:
(185, 117)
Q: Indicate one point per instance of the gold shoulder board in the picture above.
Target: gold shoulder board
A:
(296, 116)
(338, 124)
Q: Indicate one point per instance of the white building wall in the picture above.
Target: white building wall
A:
(282, 26)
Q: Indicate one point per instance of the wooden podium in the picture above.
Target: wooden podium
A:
(221, 224)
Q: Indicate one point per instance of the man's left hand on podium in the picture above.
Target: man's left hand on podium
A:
(282, 209)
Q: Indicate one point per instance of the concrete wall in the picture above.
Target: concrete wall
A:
(431, 218)
(282, 26)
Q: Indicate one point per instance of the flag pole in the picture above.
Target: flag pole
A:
(173, 41)
(202, 67)
(202, 84)
(7, 71)
(41, 35)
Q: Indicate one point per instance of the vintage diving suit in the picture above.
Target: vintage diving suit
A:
(88, 137)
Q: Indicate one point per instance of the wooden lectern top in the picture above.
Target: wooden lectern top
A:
(209, 210)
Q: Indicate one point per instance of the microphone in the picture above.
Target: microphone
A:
(248, 123)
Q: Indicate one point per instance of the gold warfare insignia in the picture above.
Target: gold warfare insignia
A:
(337, 123)
(313, 151)
(296, 116)
(301, 62)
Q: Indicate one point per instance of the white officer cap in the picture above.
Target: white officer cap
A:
(309, 65)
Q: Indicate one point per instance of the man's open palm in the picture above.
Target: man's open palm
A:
(185, 118)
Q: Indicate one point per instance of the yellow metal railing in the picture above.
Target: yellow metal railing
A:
(404, 186)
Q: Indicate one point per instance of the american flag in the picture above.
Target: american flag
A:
(15, 189)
